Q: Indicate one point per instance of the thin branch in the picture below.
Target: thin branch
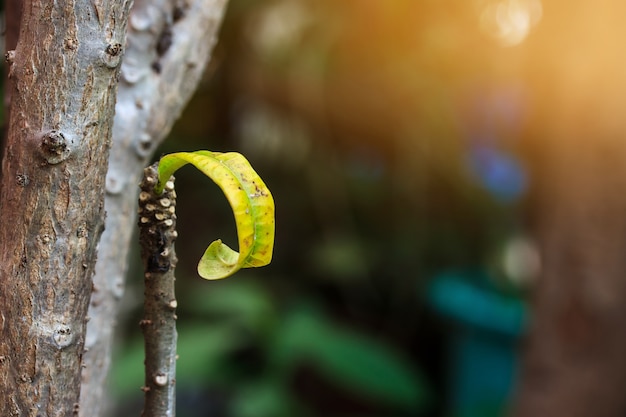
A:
(157, 233)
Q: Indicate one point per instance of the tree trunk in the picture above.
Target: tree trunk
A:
(63, 77)
(164, 60)
(574, 363)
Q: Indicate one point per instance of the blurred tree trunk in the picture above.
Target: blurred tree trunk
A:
(52, 206)
(166, 54)
(574, 363)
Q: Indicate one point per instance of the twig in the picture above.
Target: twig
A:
(157, 232)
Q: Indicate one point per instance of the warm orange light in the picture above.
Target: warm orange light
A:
(510, 21)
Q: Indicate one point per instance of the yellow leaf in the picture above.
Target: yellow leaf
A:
(250, 200)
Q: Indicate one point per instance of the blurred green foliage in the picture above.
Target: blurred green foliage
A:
(239, 342)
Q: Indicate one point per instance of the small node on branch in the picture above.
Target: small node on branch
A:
(156, 67)
(10, 59)
(160, 380)
(71, 44)
(144, 196)
(63, 336)
(10, 56)
(113, 184)
(112, 56)
(179, 12)
(114, 49)
(54, 147)
(144, 144)
(82, 231)
(165, 41)
(22, 180)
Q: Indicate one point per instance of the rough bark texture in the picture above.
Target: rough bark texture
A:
(157, 233)
(12, 16)
(63, 77)
(169, 44)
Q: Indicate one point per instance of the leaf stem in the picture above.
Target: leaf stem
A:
(157, 233)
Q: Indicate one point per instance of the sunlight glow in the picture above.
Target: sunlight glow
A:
(510, 21)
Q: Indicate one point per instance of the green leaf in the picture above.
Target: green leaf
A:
(262, 398)
(240, 303)
(365, 366)
(252, 204)
(203, 348)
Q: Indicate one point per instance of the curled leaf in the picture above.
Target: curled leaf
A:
(250, 200)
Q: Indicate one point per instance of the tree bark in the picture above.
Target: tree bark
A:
(169, 44)
(63, 82)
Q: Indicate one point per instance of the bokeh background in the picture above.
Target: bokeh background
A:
(399, 142)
